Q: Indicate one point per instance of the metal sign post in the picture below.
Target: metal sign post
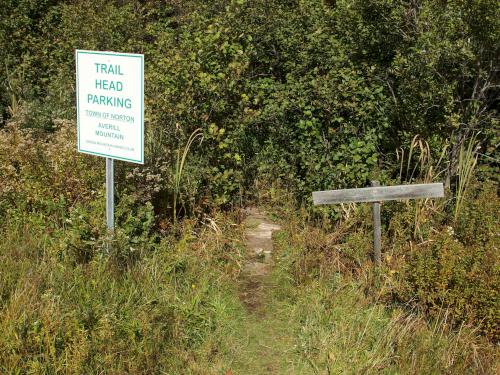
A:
(375, 195)
(110, 196)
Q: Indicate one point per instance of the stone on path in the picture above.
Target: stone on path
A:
(259, 244)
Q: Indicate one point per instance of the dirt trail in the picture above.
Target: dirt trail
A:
(261, 330)
(266, 336)
(257, 268)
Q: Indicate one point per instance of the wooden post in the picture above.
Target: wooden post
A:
(377, 231)
(376, 194)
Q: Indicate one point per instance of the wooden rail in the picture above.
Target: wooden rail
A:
(379, 193)
(376, 194)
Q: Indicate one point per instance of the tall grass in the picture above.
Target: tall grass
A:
(425, 168)
(420, 166)
(64, 308)
(347, 326)
(467, 161)
(151, 307)
(164, 314)
(354, 336)
(179, 167)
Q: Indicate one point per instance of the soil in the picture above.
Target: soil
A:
(258, 265)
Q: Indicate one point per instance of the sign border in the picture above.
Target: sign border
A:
(110, 53)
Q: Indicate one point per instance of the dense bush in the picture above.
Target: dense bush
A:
(65, 306)
(322, 273)
(44, 180)
(72, 303)
(460, 271)
(42, 173)
(446, 269)
(310, 94)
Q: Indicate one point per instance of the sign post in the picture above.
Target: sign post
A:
(110, 195)
(376, 194)
(110, 111)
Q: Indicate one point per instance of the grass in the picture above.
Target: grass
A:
(266, 344)
(179, 167)
(347, 329)
(162, 313)
(175, 309)
(467, 160)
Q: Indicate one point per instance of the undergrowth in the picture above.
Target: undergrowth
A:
(164, 298)
(351, 319)
(162, 313)
(67, 306)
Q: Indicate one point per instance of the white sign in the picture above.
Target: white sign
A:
(110, 104)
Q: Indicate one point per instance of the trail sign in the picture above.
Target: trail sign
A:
(110, 111)
(110, 104)
(375, 194)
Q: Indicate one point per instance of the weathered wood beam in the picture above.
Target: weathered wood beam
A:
(377, 194)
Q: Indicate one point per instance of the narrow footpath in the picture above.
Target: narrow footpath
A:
(258, 264)
(266, 333)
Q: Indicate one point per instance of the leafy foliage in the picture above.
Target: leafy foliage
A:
(309, 94)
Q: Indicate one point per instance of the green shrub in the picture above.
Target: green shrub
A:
(304, 93)
(43, 173)
(459, 270)
(343, 326)
(479, 220)
(464, 281)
